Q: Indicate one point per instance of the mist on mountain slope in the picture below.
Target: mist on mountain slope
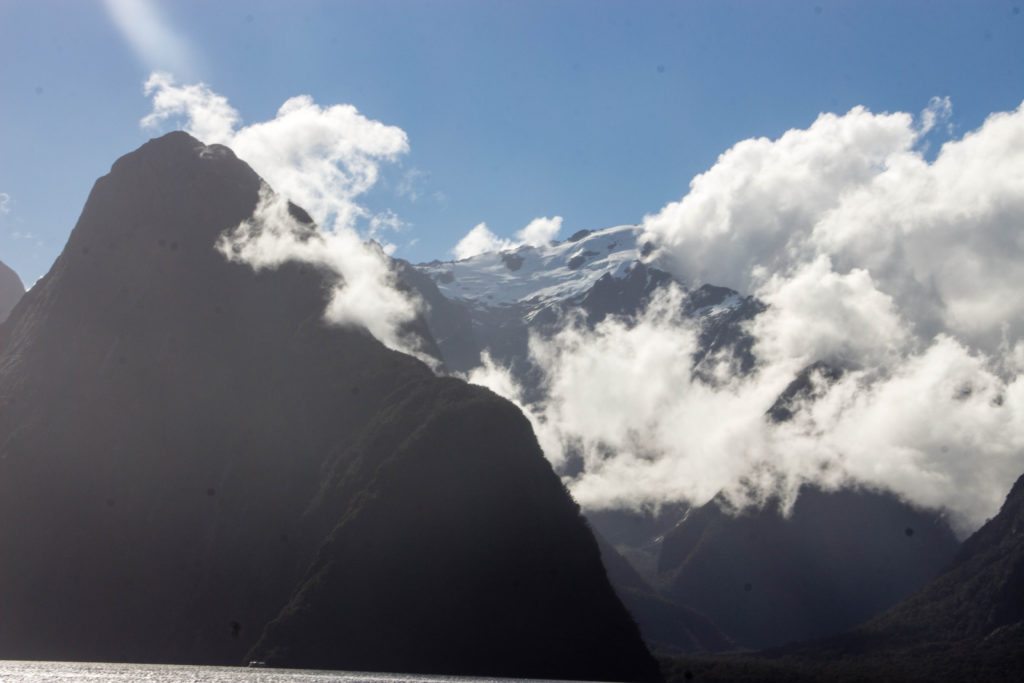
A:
(902, 270)
(322, 159)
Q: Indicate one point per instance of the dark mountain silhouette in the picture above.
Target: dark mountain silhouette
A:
(195, 468)
(838, 559)
(637, 535)
(980, 596)
(11, 290)
(621, 296)
(965, 625)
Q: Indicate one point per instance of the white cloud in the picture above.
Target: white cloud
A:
(749, 214)
(941, 239)
(363, 289)
(151, 36)
(481, 240)
(944, 429)
(625, 398)
(816, 314)
(322, 159)
(906, 272)
(496, 378)
(382, 223)
(938, 111)
(207, 115)
(5, 203)
(540, 231)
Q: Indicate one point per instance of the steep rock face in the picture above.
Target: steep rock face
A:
(981, 593)
(621, 296)
(188, 454)
(449, 322)
(838, 559)
(11, 290)
(967, 624)
(519, 602)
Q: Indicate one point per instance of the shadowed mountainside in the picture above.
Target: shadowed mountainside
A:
(965, 625)
(666, 626)
(838, 559)
(195, 468)
(11, 290)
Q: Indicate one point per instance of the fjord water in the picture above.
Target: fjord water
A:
(52, 672)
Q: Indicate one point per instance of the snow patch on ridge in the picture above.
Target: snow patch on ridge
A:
(542, 274)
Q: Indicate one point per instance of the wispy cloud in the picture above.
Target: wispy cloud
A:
(5, 203)
(323, 158)
(151, 36)
(480, 239)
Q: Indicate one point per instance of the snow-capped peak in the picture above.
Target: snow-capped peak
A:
(538, 274)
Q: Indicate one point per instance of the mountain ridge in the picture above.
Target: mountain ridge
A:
(171, 422)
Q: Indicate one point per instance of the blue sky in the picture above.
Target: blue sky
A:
(596, 111)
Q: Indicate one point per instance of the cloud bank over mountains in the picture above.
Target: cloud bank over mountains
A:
(322, 159)
(900, 266)
(905, 272)
(942, 239)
